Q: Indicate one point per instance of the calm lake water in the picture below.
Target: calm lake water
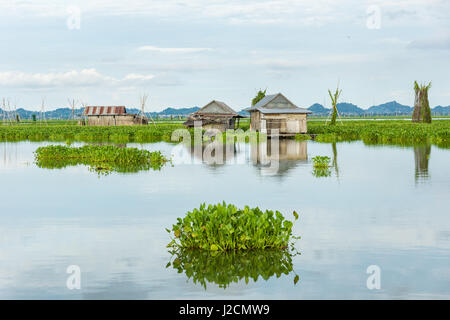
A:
(382, 205)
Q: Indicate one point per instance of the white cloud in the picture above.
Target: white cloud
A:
(298, 12)
(438, 41)
(173, 50)
(138, 77)
(83, 78)
(316, 61)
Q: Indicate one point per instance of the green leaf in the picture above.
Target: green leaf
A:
(296, 279)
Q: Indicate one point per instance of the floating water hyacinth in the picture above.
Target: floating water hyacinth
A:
(223, 227)
(103, 158)
(397, 132)
(150, 133)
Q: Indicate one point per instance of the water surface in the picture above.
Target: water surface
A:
(382, 205)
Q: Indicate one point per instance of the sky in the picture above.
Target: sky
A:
(186, 53)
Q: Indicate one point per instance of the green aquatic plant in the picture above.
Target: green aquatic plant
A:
(321, 162)
(62, 133)
(100, 158)
(223, 268)
(223, 227)
(321, 165)
(302, 137)
(397, 132)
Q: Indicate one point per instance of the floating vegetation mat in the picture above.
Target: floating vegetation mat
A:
(397, 132)
(224, 268)
(62, 133)
(102, 159)
(223, 227)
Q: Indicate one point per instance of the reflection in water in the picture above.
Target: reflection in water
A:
(421, 157)
(335, 164)
(321, 172)
(9, 155)
(272, 158)
(224, 268)
(287, 155)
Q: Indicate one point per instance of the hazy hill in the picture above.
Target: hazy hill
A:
(390, 107)
(344, 108)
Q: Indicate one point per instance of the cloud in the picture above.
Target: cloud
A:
(316, 61)
(173, 50)
(83, 78)
(441, 41)
(296, 12)
(230, 11)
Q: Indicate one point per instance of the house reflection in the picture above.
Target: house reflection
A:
(421, 159)
(271, 157)
(277, 158)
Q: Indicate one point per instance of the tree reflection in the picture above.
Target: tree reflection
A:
(224, 268)
(421, 157)
(335, 164)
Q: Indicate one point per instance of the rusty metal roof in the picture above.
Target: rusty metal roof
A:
(261, 106)
(104, 110)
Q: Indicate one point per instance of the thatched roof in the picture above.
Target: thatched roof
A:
(216, 108)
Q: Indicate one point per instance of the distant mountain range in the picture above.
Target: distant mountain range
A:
(344, 109)
(387, 109)
(66, 113)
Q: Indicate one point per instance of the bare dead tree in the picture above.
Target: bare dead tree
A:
(72, 104)
(9, 112)
(84, 118)
(143, 100)
(16, 116)
(3, 110)
(43, 111)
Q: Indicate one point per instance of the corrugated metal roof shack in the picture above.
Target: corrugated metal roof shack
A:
(277, 112)
(111, 116)
(215, 115)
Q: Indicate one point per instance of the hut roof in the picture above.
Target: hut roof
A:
(286, 107)
(104, 110)
(218, 108)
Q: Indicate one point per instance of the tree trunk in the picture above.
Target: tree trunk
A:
(334, 115)
(422, 112)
